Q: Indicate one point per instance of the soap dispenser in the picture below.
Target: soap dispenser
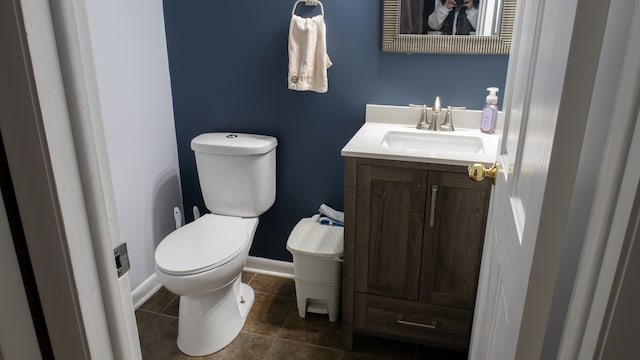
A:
(490, 112)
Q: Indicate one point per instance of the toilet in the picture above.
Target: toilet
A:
(203, 260)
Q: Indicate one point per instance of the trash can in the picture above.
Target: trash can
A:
(317, 250)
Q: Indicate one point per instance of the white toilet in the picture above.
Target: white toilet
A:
(203, 260)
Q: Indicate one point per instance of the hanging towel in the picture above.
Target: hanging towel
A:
(308, 59)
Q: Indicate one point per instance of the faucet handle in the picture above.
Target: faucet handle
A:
(422, 124)
(447, 124)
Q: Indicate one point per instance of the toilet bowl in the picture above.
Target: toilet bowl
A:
(202, 262)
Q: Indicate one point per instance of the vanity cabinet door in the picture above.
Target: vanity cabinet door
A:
(389, 230)
(453, 239)
(413, 242)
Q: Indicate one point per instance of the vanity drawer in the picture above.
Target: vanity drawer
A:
(430, 324)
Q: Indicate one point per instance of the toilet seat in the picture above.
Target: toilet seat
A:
(208, 242)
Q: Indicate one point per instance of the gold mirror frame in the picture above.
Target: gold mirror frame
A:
(393, 41)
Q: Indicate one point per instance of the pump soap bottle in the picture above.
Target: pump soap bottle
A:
(490, 112)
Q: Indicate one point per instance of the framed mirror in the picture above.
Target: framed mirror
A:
(417, 26)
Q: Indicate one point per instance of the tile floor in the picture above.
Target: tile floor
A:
(273, 330)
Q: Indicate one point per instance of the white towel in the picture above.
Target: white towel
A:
(308, 59)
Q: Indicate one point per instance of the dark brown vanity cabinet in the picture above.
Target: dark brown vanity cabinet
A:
(413, 245)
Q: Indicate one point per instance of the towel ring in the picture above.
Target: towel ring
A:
(308, 3)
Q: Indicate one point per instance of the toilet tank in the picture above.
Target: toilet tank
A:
(237, 172)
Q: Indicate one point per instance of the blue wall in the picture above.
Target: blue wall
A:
(228, 64)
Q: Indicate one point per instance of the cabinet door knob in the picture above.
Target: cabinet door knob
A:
(478, 172)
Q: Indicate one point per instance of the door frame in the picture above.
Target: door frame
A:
(44, 173)
(55, 146)
(612, 227)
(18, 335)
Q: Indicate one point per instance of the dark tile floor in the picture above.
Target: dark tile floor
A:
(273, 330)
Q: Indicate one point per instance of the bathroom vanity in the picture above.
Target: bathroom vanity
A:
(414, 231)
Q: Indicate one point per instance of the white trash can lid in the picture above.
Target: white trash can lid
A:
(310, 238)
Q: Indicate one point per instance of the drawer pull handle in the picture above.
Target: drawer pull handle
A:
(434, 194)
(433, 324)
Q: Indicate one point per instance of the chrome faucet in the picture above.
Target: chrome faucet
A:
(434, 124)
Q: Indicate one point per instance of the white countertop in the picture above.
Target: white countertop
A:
(369, 141)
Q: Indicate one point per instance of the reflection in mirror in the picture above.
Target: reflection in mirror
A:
(450, 17)
(448, 26)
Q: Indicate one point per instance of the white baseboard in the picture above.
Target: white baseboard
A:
(271, 267)
(145, 290)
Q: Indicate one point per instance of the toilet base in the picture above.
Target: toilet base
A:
(209, 322)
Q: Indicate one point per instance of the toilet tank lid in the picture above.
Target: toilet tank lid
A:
(233, 143)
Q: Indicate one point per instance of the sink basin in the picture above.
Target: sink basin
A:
(433, 142)
(394, 140)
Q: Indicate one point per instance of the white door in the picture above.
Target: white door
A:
(538, 156)
(506, 259)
